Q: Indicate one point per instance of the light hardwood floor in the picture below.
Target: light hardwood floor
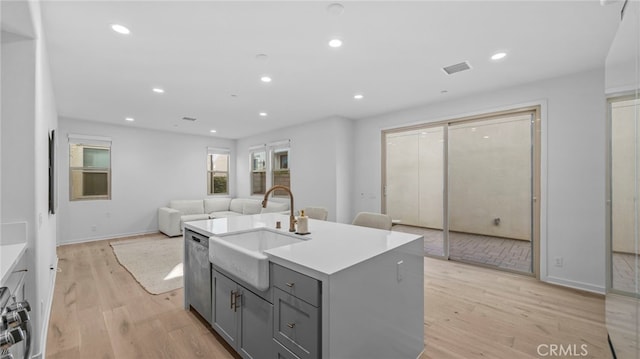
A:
(99, 311)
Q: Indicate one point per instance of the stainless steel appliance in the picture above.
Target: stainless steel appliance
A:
(198, 284)
(15, 327)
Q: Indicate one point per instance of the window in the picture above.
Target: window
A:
(89, 168)
(259, 171)
(280, 174)
(270, 167)
(217, 171)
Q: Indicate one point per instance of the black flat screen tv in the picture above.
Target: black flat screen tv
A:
(53, 198)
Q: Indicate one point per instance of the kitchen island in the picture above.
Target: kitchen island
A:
(342, 292)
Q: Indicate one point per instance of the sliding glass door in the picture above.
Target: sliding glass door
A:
(468, 187)
(414, 183)
(490, 191)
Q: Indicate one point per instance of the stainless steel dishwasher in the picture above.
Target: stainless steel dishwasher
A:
(197, 276)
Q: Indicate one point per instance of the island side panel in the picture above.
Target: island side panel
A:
(376, 308)
(186, 275)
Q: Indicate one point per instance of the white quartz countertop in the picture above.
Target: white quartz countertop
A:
(9, 256)
(330, 248)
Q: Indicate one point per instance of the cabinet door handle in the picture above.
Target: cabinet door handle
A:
(233, 299)
(237, 301)
(290, 285)
(291, 325)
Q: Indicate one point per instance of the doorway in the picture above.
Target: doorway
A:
(624, 188)
(469, 186)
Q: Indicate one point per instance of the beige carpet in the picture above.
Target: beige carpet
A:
(155, 262)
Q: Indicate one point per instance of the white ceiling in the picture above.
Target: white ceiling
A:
(204, 52)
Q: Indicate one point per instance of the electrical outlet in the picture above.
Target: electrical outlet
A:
(94, 228)
(559, 262)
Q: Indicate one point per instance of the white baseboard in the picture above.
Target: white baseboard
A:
(575, 285)
(101, 238)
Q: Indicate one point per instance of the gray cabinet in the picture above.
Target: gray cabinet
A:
(197, 279)
(283, 353)
(296, 324)
(224, 313)
(241, 317)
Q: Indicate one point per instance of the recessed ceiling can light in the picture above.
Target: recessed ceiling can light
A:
(498, 55)
(213, 131)
(263, 114)
(265, 79)
(130, 119)
(335, 9)
(358, 96)
(120, 29)
(158, 90)
(335, 43)
(262, 57)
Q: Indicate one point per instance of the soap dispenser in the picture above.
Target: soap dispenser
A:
(303, 223)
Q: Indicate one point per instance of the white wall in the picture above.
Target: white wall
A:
(28, 114)
(344, 169)
(320, 157)
(46, 228)
(149, 168)
(573, 167)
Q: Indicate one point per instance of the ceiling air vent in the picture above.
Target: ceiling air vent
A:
(192, 119)
(463, 66)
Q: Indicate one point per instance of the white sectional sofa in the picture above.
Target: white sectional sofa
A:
(171, 218)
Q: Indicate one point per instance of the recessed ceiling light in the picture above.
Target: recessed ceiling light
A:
(444, 92)
(262, 57)
(130, 119)
(498, 55)
(213, 131)
(158, 90)
(265, 79)
(335, 9)
(485, 137)
(263, 114)
(335, 43)
(120, 29)
(358, 96)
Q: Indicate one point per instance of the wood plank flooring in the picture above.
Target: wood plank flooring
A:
(100, 311)
(474, 312)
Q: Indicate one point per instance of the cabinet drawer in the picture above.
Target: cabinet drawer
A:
(296, 325)
(296, 284)
(283, 353)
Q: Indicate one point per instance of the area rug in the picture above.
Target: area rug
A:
(155, 262)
